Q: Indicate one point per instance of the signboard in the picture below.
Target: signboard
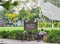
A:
(30, 25)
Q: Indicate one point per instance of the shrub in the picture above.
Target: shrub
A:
(15, 34)
(53, 35)
(56, 24)
(45, 24)
(48, 24)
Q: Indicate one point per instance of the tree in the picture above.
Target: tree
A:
(11, 16)
(8, 5)
(29, 15)
(0, 0)
(23, 14)
(2, 15)
(34, 13)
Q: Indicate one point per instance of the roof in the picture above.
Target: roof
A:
(51, 11)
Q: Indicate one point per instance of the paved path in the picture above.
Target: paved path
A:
(7, 41)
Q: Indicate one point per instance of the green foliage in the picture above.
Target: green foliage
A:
(45, 24)
(15, 3)
(54, 36)
(35, 10)
(15, 34)
(0, 0)
(57, 24)
(34, 13)
(45, 0)
(29, 14)
(11, 34)
(7, 5)
(48, 24)
(23, 14)
(2, 15)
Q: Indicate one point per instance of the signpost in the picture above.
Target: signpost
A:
(30, 25)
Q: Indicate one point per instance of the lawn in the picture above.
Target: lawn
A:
(22, 28)
(11, 28)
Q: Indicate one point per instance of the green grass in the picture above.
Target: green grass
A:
(11, 28)
(22, 28)
(50, 28)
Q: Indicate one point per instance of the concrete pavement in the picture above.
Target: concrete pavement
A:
(8, 41)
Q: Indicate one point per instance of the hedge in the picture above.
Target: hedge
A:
(45, 24)
(48, 24)
(53, 35)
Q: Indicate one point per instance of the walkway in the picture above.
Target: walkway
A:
(8, 41)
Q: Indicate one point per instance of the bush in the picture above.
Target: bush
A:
(56, 24)
(45, 24)
(48, 24)
(53, 35)
(15, 34)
